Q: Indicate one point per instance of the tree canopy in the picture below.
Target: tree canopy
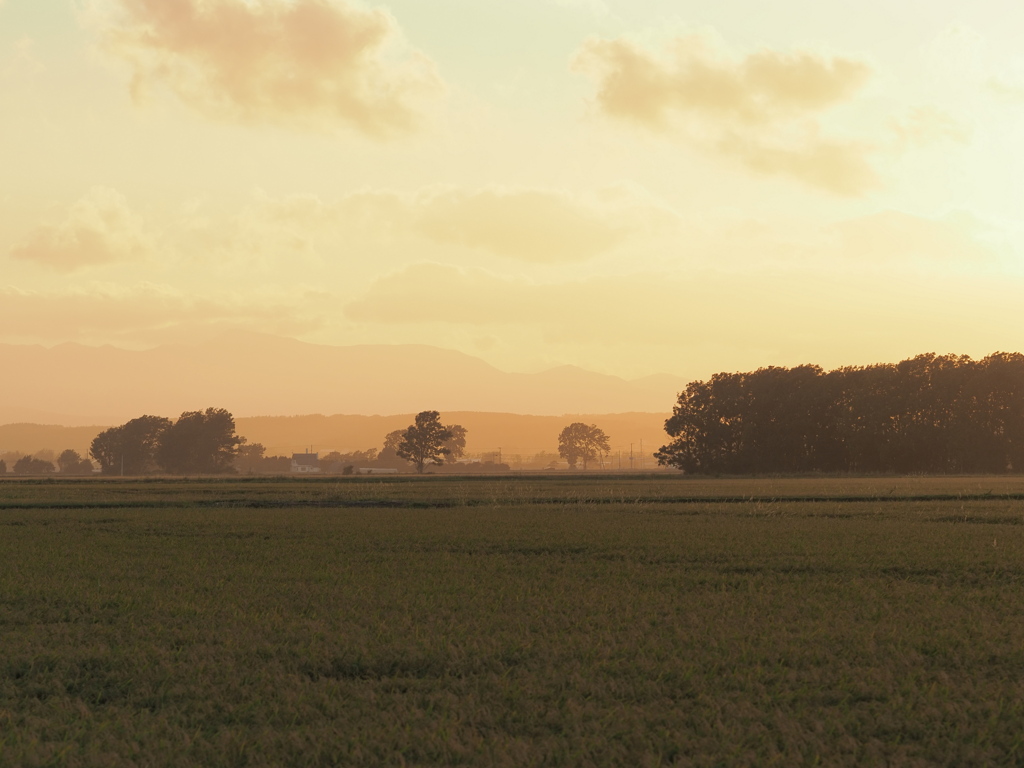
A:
(424, 441)
(131, 448)
(582, 442)
(335, 461)
(29, 465)
(199, 442)
(939, 414)
(456, 444)
(70, 462)
(249, 456)
(393, 439)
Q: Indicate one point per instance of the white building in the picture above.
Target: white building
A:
(306, 463)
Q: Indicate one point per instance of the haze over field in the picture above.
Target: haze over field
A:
(514, 438)
(254, 375)
(632, 187)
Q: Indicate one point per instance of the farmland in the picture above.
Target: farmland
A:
(562, 621)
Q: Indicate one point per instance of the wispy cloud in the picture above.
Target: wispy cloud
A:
(705, 318)
(594, 310)
(142, 312)
(98, 229)
(1006, 90)
(311, 64)
(534, 225)
(892, 237)
(763, 109)
(926, 125)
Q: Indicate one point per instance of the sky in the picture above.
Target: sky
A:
(633, 187)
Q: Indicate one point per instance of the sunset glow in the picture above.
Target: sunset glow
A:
(631, 187)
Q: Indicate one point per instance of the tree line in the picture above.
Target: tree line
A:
(205, 443)
(927, 414)
(70, 462)
(426, 443)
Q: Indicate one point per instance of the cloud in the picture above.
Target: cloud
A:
(527, 224)
(451, 295)
(540, 226)
(698, 80)
(1005, 90)
(836, 166)
(311, 64)
(894, 237)
(926, 125)
(763, 109)
(598, 7)
(968, 64)
(140, 312)
(21, 62)
(609, 309)
(702, 321)
(98, 229)
(624, 313)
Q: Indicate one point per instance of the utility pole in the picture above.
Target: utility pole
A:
(630, 457)
(641, 455)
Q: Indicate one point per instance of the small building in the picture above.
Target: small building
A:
(306, 463)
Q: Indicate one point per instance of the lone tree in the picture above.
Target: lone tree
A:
(424, 442)
(581, 442)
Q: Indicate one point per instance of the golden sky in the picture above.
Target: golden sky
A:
(632, 186)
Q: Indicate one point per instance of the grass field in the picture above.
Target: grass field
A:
(635, 621)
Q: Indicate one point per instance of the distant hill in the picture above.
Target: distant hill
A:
(514, 434)
(31, 438)
(253, 374)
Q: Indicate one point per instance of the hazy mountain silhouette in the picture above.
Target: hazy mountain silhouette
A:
(254, 374)
(514, 434)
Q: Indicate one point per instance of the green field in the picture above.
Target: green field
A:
(635, 621)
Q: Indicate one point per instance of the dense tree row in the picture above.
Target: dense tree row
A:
(940, 414)
(199, 442)
(204, 442)
(68, 463)
(426, 442)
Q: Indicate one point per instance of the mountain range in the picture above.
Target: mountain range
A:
(291, 396)
(260, 375)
